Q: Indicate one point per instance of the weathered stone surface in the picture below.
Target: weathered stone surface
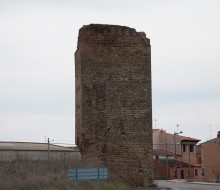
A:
(113, 100)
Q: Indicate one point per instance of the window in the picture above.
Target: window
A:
(191, 148)
(184, 148)
(203, 171)
(174, 174)
(196, 172)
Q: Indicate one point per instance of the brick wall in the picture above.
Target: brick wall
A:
(113, 100)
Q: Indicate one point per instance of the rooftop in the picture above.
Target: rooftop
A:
(217, 139)
(181, 137)
(163, 152)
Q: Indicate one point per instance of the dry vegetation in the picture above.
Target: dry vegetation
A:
(21, 174)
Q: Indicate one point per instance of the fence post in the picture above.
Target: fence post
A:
(76, 184)
(97, 184)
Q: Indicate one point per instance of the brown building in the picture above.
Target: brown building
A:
(177, 154)
(10, 151)
(210, 155)
(113, 100)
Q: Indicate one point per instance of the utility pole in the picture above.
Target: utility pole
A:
(167, 161)
(48, 151)
(175, 153)
(189, 160)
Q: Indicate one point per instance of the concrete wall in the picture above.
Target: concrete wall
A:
(113, 100)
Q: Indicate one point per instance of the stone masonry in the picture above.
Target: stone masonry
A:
(113, 100)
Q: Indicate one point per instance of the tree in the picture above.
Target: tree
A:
(217, 174)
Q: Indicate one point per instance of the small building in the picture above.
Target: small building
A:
(10, 151)
(210, 156)
(171, 150)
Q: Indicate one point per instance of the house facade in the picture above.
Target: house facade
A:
(210, 156)
(175, 156)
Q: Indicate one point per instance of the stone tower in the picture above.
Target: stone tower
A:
(113, 100)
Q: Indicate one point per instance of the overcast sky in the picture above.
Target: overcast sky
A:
(38, 39)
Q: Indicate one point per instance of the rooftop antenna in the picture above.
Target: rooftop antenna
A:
(210, 131)
(177, 128)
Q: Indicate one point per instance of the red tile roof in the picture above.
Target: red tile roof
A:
(177, 136)
(161, 151)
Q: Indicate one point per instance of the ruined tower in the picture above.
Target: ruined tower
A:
(113, 100)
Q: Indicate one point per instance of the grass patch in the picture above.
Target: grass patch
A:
(83, 185)
(115, 186)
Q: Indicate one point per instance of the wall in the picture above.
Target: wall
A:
(156, 140)
(11, 155)
(187, 154)
(211, 159)
(113, 100)
(182, 173)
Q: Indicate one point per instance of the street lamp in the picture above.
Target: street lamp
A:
(176, 133)
(166, 160)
